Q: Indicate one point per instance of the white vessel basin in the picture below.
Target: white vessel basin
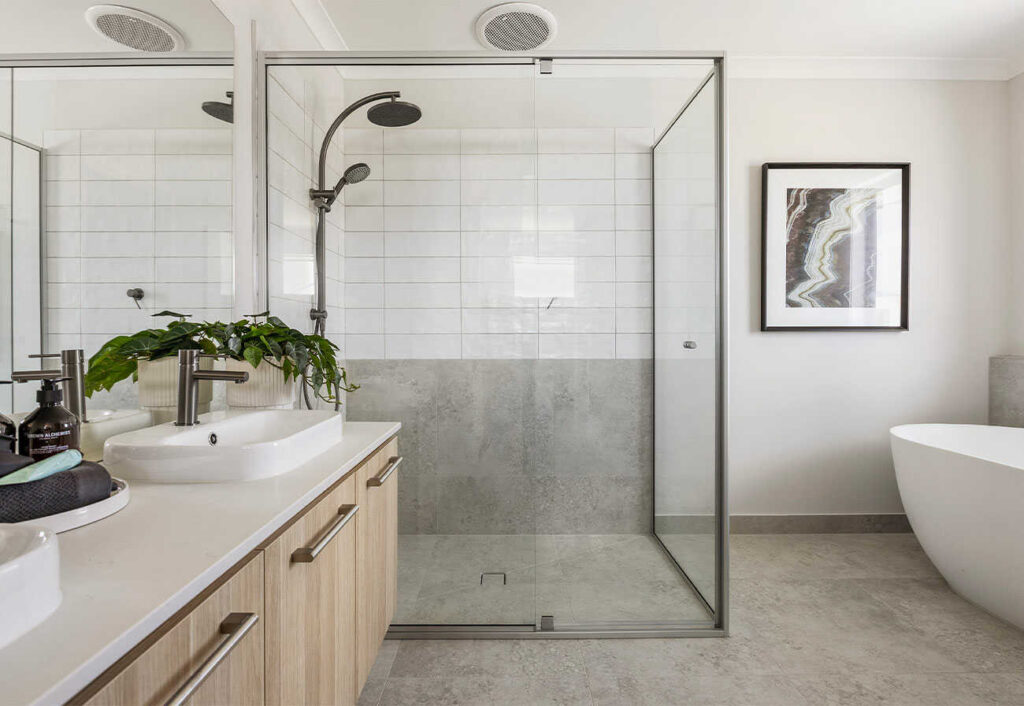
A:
(224, 446)
(105, 423)
(29, 579)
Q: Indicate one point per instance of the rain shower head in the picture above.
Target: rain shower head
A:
(394, 113)
(221, 111)
(356, 173)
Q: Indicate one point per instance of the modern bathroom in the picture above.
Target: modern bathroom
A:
(569, 352)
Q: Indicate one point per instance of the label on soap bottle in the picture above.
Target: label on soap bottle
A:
(48, 443)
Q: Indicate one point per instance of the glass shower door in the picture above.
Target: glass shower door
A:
(687, 341)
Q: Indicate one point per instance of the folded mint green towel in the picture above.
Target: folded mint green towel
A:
(64, 461)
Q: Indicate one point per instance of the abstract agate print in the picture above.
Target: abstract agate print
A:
(831, 247)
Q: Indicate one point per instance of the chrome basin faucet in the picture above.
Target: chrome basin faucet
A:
(189, 377)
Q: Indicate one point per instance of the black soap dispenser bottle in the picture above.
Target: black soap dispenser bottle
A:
(51, 428)
(8, 429)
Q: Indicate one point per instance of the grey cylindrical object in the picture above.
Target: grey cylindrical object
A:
(72, 364)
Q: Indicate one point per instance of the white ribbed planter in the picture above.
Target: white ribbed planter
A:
(158, 384)
(266, 386)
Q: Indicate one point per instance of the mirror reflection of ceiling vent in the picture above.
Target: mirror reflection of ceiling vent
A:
(516, 26)
(134, 28)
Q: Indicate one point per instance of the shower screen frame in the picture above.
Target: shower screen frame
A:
(719, 623)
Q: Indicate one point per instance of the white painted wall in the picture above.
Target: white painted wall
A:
(810, 411)
(1016, 303)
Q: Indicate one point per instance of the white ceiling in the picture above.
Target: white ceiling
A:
(946, 29)
(48, 26)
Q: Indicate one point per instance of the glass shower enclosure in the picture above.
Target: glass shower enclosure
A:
(530, 280)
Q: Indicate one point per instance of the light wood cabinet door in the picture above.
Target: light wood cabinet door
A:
(377, 486)
(390, 489)
(311, 605)
(219, 635)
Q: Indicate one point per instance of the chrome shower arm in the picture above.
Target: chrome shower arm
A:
(372, 98)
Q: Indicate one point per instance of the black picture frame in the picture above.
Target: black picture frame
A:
(904, 168)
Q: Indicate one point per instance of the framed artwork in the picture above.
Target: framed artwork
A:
(834, 246)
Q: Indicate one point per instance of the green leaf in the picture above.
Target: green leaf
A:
(254, 355)
(172, 313)
(272, 346)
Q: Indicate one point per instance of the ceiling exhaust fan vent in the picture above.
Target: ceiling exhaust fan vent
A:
(133, 28)
(516, 26)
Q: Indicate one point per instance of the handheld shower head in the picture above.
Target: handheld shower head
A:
(394, 113)
(356, 173)
(353, 175)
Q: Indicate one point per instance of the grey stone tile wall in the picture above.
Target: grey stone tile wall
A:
(516, 446)
(1006, 390)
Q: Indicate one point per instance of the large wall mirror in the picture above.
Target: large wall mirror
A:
(115, 191)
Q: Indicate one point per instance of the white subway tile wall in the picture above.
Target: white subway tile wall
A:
(135, 208)
(296, 128)
(439, 240)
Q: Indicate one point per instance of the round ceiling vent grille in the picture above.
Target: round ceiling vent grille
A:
(516, 26)
(134, 28)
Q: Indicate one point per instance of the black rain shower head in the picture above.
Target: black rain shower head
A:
(394, 113)
(221, 111)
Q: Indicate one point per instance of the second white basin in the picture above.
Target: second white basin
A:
(103, 424)
(29, 579)
(225, 446)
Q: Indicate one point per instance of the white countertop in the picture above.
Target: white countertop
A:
(124, 576)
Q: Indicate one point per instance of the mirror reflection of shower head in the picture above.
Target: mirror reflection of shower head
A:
(221, 111)
(394, 113)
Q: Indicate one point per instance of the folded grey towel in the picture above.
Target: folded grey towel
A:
(9, 463)
(83, 485)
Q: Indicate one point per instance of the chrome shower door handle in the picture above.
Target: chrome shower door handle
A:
(233, 628)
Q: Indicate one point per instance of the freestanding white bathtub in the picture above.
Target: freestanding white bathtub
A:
(963, 489)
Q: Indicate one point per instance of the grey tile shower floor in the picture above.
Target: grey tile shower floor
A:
(816, 619)
(576, 578)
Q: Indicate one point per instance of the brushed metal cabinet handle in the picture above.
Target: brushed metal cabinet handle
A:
(378, 480)
(304, 555)
(233, 628)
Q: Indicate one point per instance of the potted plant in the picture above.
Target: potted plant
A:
(150, 357)
(277, 356)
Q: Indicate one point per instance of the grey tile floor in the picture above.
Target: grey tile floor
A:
(576, 578)
(816, 619)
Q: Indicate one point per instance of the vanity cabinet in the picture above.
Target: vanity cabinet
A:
(214, 655)
(311, 604)
(376, 553)
(300, 622)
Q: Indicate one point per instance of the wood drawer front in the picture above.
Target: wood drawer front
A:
(310, 646)
(375, 593)
(158, 673)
